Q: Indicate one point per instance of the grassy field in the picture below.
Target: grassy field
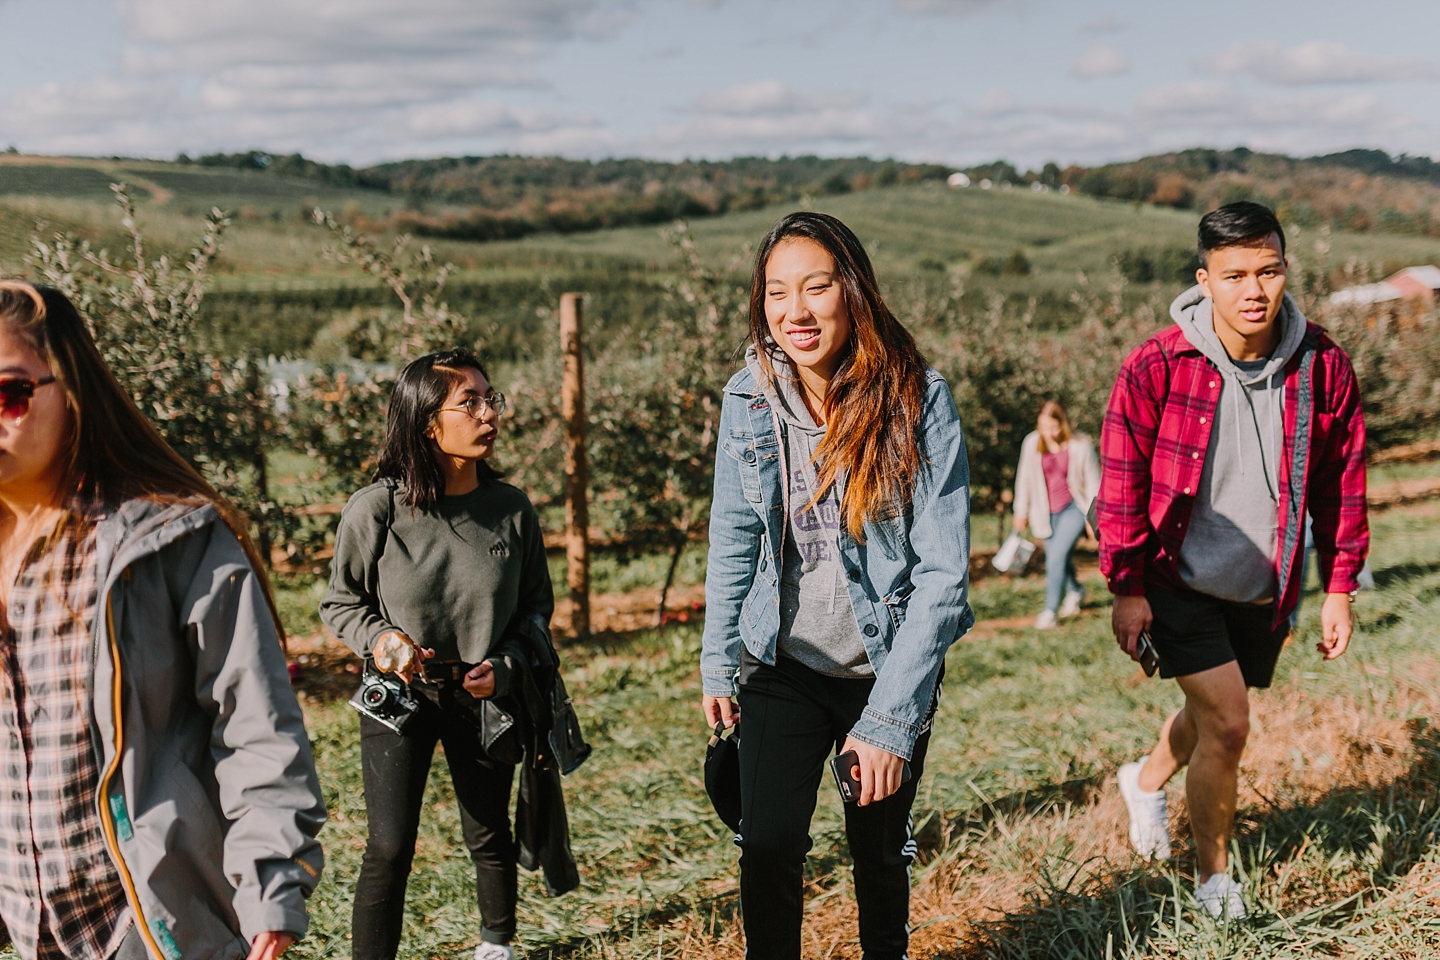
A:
(1021, 831)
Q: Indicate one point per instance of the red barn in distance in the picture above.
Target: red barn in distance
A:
(1412, 283)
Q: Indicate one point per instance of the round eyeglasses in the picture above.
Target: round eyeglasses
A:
(475, 407)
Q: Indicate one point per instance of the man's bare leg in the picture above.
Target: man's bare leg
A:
(1177, 743)
(1209, 735)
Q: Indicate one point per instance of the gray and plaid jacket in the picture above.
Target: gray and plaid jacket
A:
(208, 793)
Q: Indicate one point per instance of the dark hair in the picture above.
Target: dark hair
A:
(409, 457)
(1239, 224)
(113, 453)
(877, 398)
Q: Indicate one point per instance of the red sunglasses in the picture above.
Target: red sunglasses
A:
(15, 396)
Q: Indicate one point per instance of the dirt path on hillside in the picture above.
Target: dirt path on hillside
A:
(159, 196)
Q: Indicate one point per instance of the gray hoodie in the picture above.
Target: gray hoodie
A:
(817, 622)
(1229, 549)
(208, 792)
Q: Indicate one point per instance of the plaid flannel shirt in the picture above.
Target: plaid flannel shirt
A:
(60, 894)
(1153, 447)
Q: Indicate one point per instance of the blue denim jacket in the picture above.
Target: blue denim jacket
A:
(908, 582)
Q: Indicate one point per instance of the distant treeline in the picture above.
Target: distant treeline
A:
(506, 197)
(1359, 190)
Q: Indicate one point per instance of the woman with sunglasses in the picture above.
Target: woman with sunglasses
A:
(839, 563)
(432, 562)
(159, 799)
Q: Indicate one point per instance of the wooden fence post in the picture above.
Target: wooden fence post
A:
(577, 511)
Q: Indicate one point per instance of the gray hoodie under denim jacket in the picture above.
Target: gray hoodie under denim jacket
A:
(908, 581)
(207, 794)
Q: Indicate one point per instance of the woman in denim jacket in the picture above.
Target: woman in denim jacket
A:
(838, 573)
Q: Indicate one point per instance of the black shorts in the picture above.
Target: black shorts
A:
(1194, 632)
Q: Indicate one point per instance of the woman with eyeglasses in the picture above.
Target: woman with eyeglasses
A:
(160, 798)
(432, 562)
(839, 564)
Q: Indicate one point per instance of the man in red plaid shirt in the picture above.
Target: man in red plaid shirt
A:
(1222, 432)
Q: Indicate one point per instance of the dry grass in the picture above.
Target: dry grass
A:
(1022, 834)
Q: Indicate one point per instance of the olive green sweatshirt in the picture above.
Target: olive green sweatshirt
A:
(450, 577)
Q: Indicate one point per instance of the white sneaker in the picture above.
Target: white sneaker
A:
(1149, 823)
(1220, 896)
(494, 951)
(1046, 620)
(1071, 604)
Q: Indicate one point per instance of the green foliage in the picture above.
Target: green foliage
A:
(416, 279)
(1015, 265)
(655, 417)
(143, 313)
(1168, 265)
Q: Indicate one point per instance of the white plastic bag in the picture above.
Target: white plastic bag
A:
(1013, 554)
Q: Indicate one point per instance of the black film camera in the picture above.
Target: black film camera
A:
(383, 698)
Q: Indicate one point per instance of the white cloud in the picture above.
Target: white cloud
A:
(1101, 60)
(1318, 61)
(963, 8)
(1168, 117)
(1105, 23)
(170, 35)
(768, 117)
(770, 98)
(341, 79)
(995, 103)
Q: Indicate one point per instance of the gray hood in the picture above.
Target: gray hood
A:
(1192, 311)
(1230, 546)
(208, 790)
(783, 390)
(817, 621)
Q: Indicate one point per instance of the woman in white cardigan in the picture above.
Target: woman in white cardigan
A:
(1058, 477)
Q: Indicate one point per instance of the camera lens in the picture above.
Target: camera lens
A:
(375, 696)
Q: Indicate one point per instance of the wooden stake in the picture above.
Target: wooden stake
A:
(577, 511)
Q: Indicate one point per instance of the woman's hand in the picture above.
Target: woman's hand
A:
(879, 771)
(1019, 523)
(480, 681)
(718, 710)
(270, 945)
(398, 654)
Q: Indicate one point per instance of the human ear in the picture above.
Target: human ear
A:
(1203, 278)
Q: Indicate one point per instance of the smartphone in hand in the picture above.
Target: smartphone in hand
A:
(843, 767)
(1149, 659)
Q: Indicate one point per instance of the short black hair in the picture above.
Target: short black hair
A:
(1243, 223)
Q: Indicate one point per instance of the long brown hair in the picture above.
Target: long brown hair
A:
(1054, 410)
(876, 400)
(113, 453)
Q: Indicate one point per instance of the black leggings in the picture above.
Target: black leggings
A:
(792, 720)
(396, 767)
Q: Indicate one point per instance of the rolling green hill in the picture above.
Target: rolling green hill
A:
(276, 292)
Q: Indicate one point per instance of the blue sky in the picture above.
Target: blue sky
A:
(954, 81)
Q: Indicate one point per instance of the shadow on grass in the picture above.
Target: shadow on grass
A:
(1401, 572)
(1329, 855)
